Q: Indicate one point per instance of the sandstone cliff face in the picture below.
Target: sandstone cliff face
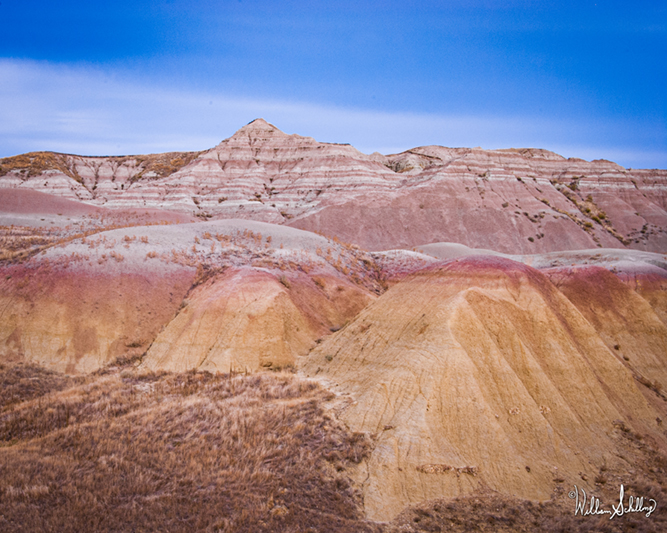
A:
(481, 373)
(513, 201)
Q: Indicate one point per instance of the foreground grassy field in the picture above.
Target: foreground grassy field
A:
(125, 451)
(118, 451)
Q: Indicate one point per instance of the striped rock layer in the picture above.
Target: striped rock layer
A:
(512, 201)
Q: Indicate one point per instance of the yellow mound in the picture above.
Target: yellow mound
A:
(246, 319)
(628, 321)
(479, 374)
(78, 321)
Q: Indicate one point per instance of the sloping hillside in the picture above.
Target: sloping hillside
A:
(480, 373)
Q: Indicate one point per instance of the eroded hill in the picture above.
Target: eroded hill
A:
(512, 201)
(479, 373)
(518, 349)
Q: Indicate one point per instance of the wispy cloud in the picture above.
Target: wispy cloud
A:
(85, 110)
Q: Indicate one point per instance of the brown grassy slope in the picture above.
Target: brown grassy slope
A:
(197, 452)
(120, 451)
(21, 383)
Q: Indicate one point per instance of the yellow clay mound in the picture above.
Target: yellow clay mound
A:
(479, 374)
(246, 319)
(627, 320)
(79, 321)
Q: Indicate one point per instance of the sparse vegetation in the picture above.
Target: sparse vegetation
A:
(153, 165)
(20, 243)
(490, 511)
(122, 451)
(34, 163)
(158, 165)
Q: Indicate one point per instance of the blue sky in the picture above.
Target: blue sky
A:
(582, 78)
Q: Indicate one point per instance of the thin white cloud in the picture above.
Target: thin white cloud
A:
(85, 110)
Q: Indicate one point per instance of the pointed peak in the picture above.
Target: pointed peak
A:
(260, 122)
(261, 131)
(257, 130)
(258, 125)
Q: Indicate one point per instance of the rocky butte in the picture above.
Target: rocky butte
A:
(512, 201)
(493, 322)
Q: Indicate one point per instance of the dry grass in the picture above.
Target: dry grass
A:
(121, 451)
(162, 165)
(154, 165)
(127, 451)
(34, 163)
(494, 513)
(19, 383)
(19, 242)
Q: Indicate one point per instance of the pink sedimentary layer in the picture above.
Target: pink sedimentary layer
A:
(516, 201)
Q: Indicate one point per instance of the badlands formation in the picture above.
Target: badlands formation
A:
(494, 321)
(512, 201)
